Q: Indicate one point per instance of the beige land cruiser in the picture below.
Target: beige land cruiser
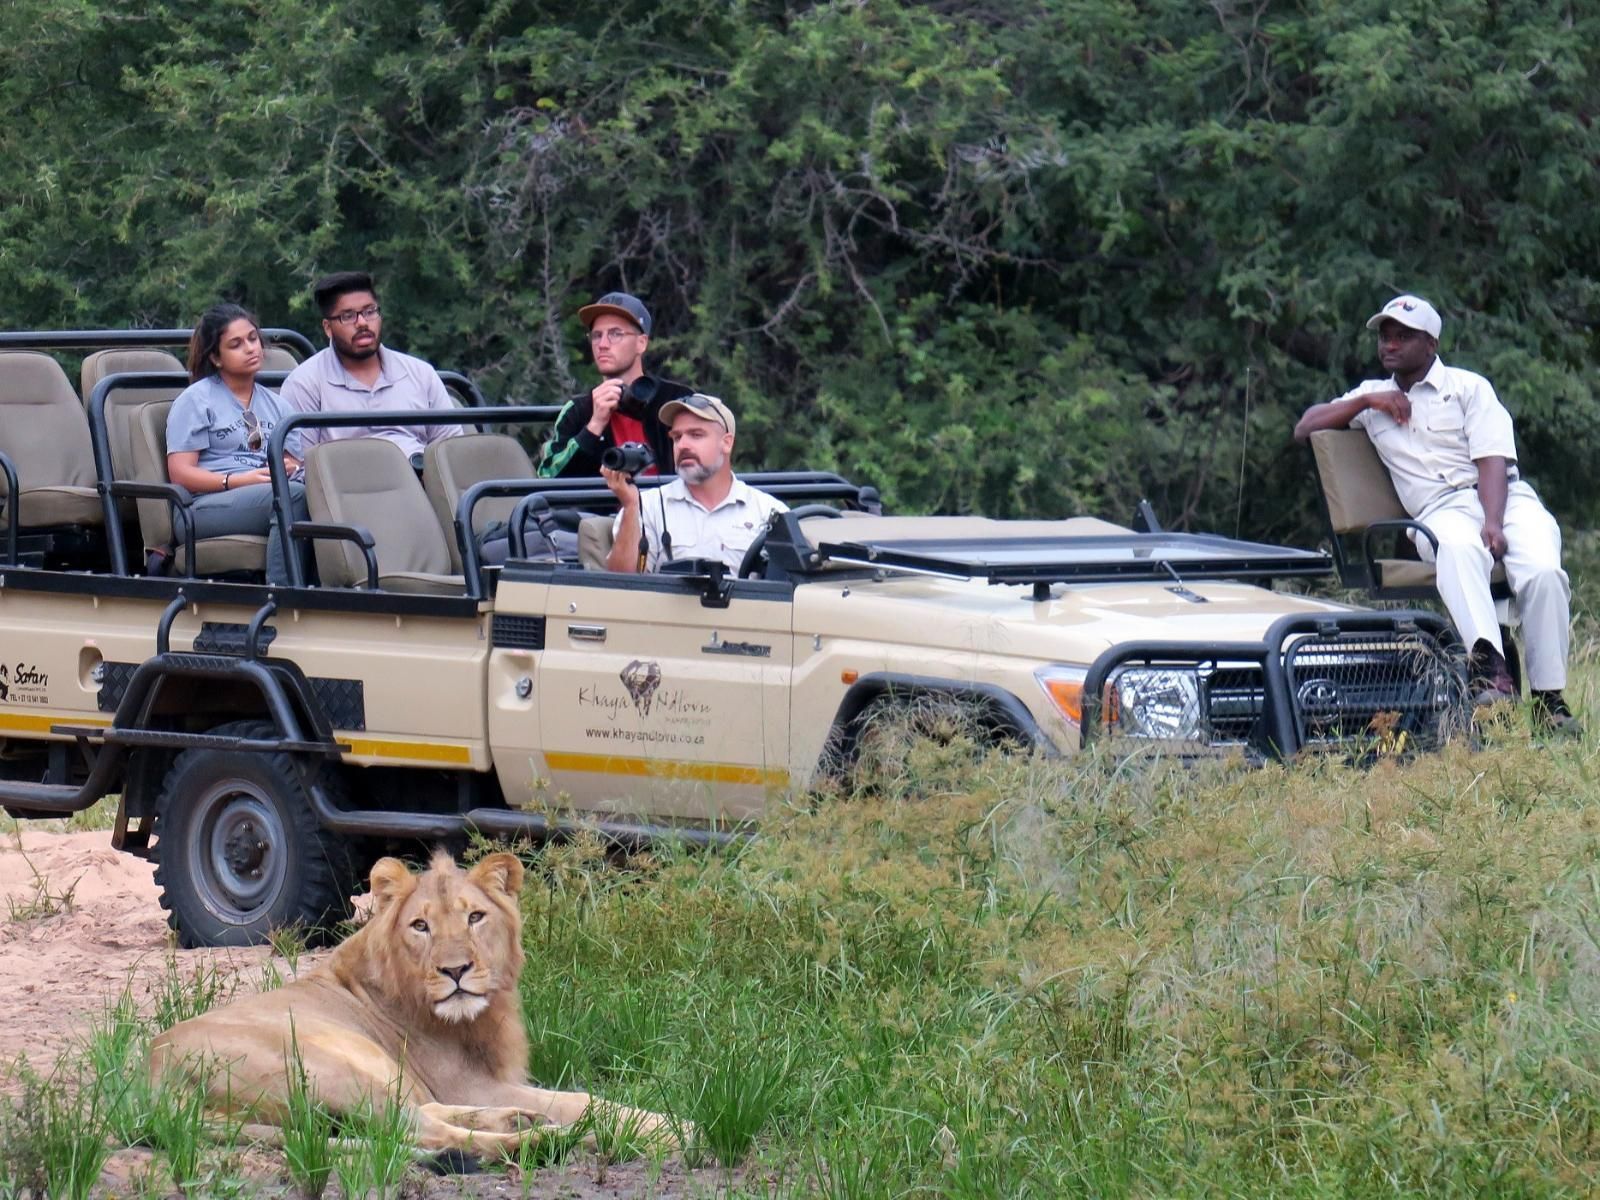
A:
(268, 742)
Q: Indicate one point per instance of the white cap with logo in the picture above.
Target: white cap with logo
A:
(1411, 311)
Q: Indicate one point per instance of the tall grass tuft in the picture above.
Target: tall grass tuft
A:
(742, 1075)
(308, 1129)
(376, 1147)
(54, 1137)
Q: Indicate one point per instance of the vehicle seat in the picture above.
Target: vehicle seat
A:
(1359, 493)
(369, 484)
(115, 362)
(227, 554)
(594, 542)
(120, 410)
(277, 357)
(43, 432)
(452, 465)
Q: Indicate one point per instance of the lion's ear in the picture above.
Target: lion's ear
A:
(502, 872)
(390, 880)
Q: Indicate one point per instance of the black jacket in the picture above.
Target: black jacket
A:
(574, 452)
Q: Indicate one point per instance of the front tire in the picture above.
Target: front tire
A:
(239, 852)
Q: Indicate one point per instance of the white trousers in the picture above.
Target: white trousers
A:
(1533, 569)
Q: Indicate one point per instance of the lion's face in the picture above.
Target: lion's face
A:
(452, 937)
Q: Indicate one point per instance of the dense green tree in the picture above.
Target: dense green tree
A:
(1010, 257)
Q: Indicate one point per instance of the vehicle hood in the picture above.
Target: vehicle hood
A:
(1075, 624)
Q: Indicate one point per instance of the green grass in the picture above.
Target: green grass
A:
(1018, 979)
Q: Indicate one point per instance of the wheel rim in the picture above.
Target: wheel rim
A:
(238, 849)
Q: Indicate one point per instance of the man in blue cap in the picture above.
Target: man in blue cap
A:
(624, 406)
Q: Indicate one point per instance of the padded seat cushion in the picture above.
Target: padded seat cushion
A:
(594, 542)
(1354, 480)
(367, 483)
(60, 506)
(147, 427)
(117, 362)
(229, 552)
(419, 583)
(1408, 572)
(452, 465)
(43, 431)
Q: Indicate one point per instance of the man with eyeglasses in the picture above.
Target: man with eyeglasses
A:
(1448, 444)
(706, 512)
(624, 406)
(357, 373)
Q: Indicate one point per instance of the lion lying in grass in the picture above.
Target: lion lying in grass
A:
(420, 1004)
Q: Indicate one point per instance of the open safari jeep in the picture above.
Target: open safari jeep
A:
(267, 743)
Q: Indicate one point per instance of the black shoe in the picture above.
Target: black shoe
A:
(1551, 714)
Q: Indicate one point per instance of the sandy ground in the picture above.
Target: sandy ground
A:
(78, 921)
(63, 960)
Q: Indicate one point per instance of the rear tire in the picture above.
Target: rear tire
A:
(239, 852)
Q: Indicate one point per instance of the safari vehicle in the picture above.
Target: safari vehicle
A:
(267, 743)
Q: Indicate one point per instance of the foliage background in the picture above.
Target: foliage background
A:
(1018, 257)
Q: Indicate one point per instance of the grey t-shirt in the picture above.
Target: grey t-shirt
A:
(207, 417)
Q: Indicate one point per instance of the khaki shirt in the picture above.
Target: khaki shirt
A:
(724, 532)
(1455, 419)
(321, 384)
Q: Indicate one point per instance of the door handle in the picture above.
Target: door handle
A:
(587, 633)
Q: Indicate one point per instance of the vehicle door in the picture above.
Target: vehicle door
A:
(655, 701)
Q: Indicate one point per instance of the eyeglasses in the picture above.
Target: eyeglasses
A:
(369, 313)
(596, 336)
(253, 440)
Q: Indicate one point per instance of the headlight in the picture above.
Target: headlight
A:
(1064, 686)
(1161, 703)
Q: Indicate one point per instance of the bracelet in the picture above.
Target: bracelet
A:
(227, 477)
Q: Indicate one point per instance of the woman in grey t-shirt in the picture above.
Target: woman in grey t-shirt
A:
(218, 430)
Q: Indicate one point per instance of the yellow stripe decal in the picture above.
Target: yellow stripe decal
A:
(41, 722)
(440, 752)
(703, 772)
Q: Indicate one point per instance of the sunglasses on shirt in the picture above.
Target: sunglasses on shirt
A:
(253, 439)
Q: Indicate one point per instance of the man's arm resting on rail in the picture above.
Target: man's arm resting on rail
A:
(1337, 414)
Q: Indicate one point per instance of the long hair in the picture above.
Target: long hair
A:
(208, 331)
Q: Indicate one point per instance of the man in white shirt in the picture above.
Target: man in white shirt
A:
(706, 512)
(357, 373)
(1448, 444)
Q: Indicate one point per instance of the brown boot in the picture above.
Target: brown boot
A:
(1490, 678)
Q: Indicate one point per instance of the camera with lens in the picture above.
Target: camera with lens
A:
(630, 458)
(637, 396)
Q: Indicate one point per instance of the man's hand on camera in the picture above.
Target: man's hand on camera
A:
(622, 487)
(605, 399)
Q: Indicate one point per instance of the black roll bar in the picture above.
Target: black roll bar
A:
(282, 500)
(13, 505)
(131, 339)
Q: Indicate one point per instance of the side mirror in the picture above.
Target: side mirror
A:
(710, 574)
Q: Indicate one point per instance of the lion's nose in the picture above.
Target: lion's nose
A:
(455, 973)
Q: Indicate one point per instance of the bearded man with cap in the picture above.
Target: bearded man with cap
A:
(624, 406)
(706, 512)
(1448, 445)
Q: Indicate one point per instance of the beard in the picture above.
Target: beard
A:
(697, 473)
